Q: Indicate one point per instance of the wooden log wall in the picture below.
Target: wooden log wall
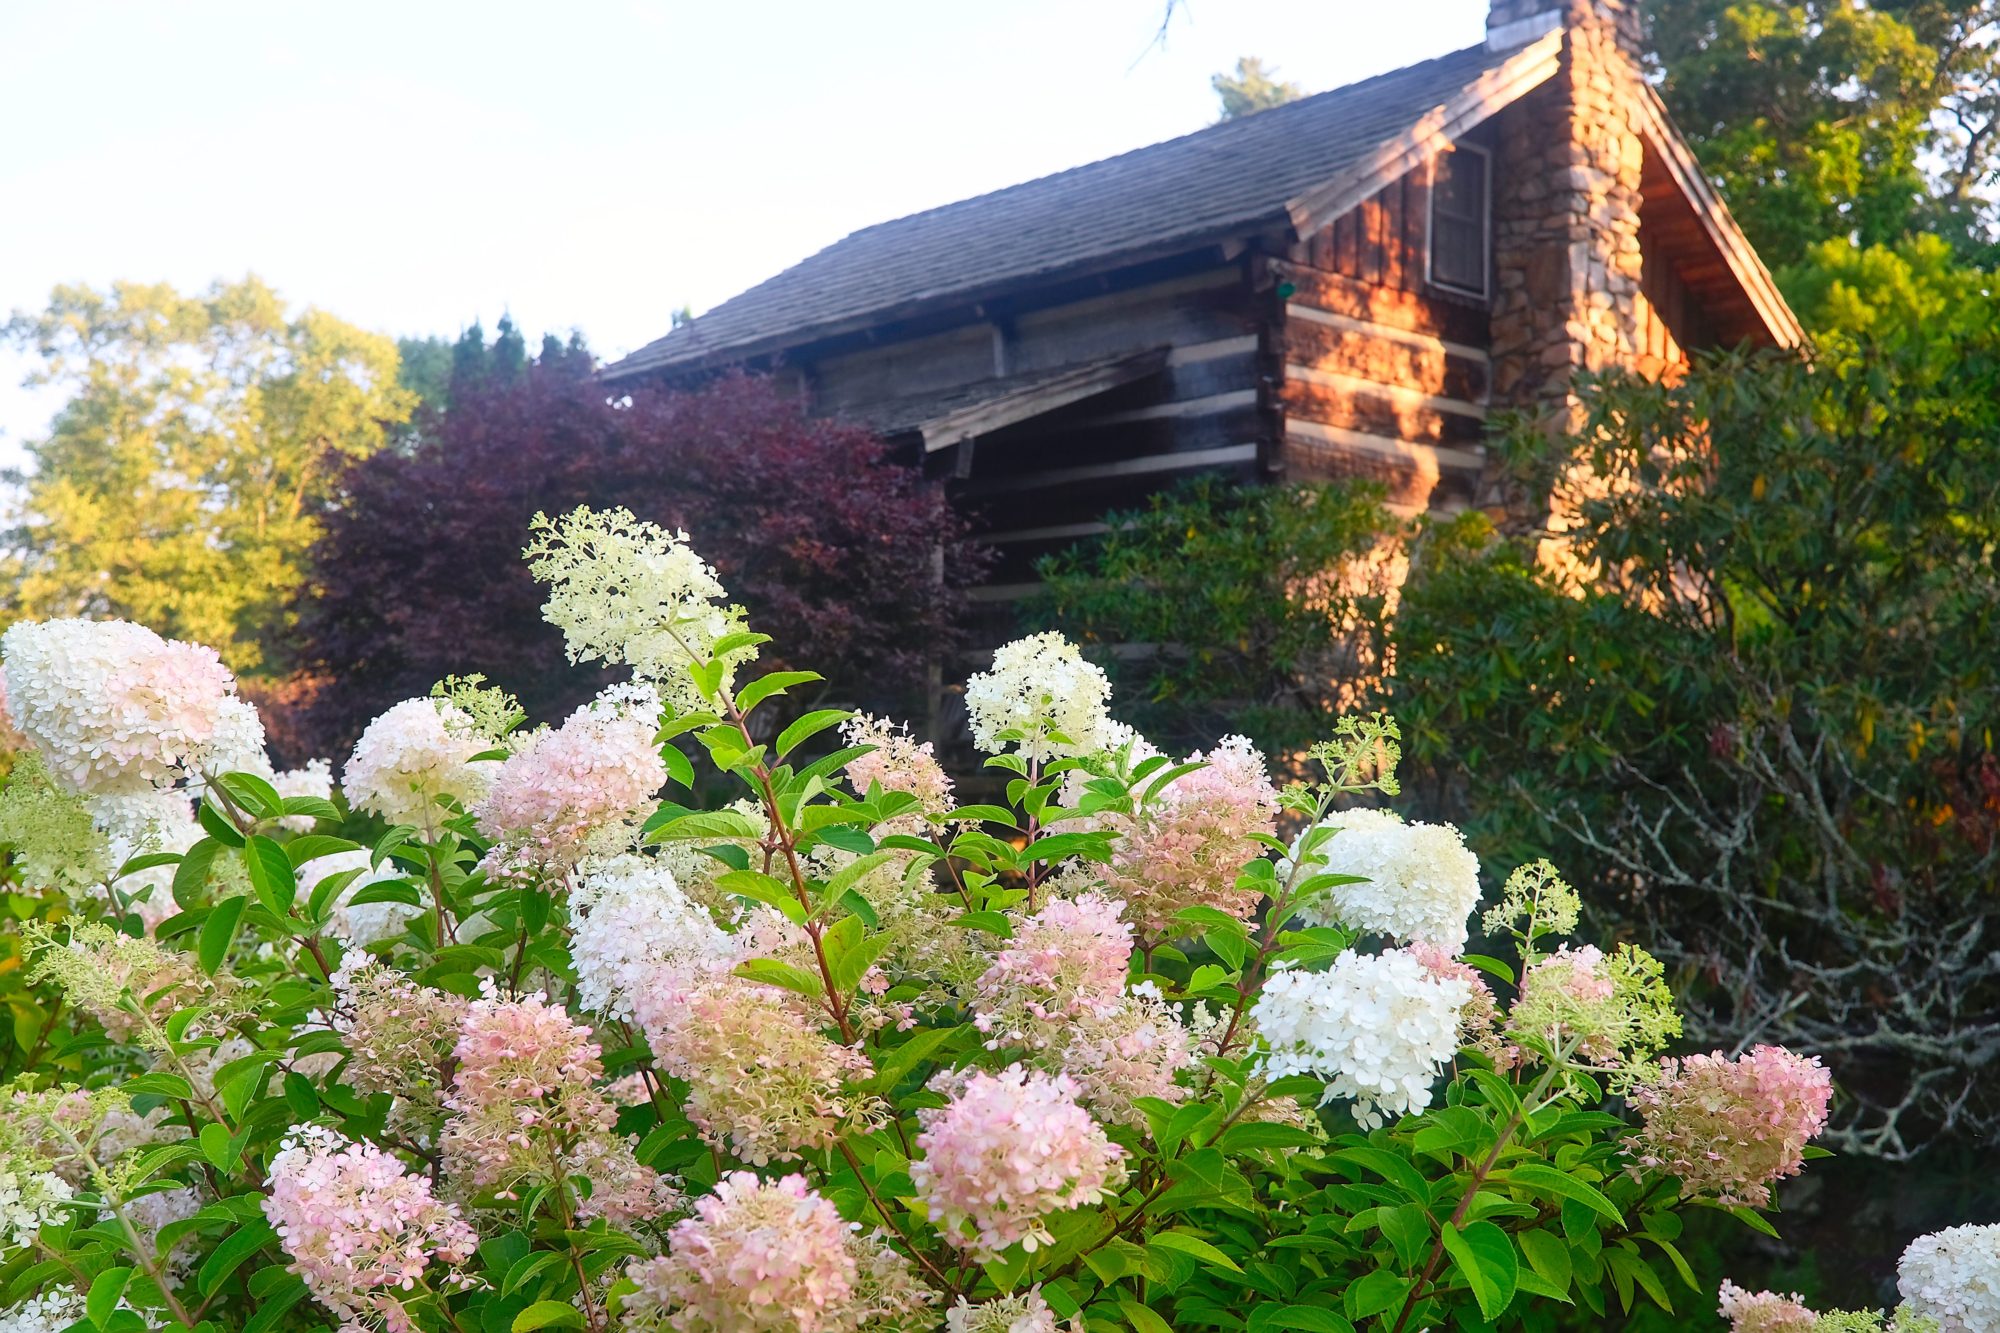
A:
(1671, 318)
(1384, 375)
(1036, 488)
(1692, 299)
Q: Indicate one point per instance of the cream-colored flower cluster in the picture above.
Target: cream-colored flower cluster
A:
(624, 591)
(1043, 696)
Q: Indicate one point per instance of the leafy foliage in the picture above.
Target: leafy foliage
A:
(185, 478)
(1254, 603)
(1837, 120)
(243, 1056)
(419, 575)
(1753, 697)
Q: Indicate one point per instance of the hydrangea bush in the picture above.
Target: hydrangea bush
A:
(505, 1032)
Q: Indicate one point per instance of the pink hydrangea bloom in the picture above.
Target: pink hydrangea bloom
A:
(1560, 988)
(1732, 1128)
(761, 1078)
(898, 762)
(773, 1257)
(529, 1086)
(586, 782)
(1764, 1311)
(1069, 958)
(1135, 1049)
(1005, 1153)
(359, 1228)
(400, 1035)
(112, 706)
(1184, 849)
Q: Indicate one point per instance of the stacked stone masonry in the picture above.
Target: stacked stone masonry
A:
(1567, 261)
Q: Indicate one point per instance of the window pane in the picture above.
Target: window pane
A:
(1457, 185)
(1458, 221)
(1458, 253)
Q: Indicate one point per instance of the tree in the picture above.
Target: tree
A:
(1833, 119)
(1917, 295)
(1252, 88)
(434, 368)
(1756, 704)
(184, 479)
(419, 575)
(425, 369)
(1252, 603)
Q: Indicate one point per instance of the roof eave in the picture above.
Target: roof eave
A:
(1522, 72)
(1737, 253)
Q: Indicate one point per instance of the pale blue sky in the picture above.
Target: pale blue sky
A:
(413, 166)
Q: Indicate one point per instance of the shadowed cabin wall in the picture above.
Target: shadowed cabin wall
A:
(1039, 486)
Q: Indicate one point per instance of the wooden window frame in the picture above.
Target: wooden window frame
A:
(1485, 289)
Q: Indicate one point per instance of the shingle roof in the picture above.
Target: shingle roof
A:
(1219, 181)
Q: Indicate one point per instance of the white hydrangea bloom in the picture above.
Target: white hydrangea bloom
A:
(1041, 687)
(147, 821)
(52, 1310)
(624, 590)
(1420, 882)
(315, 779)
(413, 754)
(1377, 1027)
(1953, 1276)
(111, 705)
(238, 746)
(123, 1130)
(1023, 1312)
(356, 926)
(634, 920)
(29, 1200)
(1114, 736)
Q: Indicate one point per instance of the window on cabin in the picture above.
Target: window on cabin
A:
(1459, 201)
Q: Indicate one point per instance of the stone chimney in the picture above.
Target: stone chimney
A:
(1565, 216)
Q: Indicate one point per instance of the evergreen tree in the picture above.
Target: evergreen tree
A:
(1252, 88)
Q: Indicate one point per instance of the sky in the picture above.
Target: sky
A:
(413, 167)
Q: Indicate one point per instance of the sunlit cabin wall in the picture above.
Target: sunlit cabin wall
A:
(1384, 374)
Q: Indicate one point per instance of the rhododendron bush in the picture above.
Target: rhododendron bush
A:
(505, 1031)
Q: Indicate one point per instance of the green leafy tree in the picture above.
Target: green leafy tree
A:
(440, 370)
(1835, 119)
(1754, 696)
(182, 482)
(1917, 295)
(1252, 88)
(1238, 609)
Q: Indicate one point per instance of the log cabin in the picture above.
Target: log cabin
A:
(1346, 285)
